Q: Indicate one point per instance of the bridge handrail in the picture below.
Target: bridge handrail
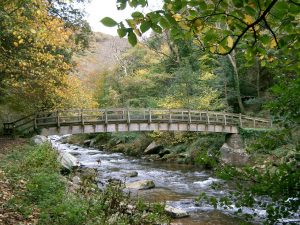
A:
(132, 114)
(20, 124)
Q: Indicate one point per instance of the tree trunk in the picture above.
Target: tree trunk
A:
(173, 49)
(257, 63)
(226, 91)
(236, 81)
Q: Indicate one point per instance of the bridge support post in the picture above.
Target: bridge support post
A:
(35, 122)
(81, 117)
(233, 152)
(58, 122)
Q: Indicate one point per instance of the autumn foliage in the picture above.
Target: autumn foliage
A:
(36, 49)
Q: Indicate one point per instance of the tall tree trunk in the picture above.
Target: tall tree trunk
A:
(226, 91)
(173, 49)
(232, 60)
(257, 63)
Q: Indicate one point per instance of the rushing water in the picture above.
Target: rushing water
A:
(176, 185)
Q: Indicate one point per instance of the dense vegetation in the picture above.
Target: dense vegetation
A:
(37, 40)
(234, 56)
(43, 194)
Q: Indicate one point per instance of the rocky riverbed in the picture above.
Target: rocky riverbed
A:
(174, 184)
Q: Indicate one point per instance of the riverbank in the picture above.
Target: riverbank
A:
(270, 181)
(180, 148)
(33, 191)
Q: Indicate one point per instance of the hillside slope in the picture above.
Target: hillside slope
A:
(101, 56)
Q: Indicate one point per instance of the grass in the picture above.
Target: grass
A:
(39, 189)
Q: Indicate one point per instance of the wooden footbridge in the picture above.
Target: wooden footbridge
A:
(120, 119)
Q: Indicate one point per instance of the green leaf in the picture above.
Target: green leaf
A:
(164, 23)
(251, 11)
(238, 3)
(145, 26)
(156, 28)
(121, 4)
(154, 16)
(137, 15)
(132, 39)
(265, 39)
(171, 20)
(122, 32)
(109, 22)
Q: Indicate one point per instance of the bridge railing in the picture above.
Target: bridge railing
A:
(25, 124)
(124, 115)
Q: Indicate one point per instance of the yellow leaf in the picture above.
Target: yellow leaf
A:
(213, 49)
(273, 43)
(229, 42)
(248, 19)
(21, 41)
(33, 31)
(177, 17)
(183, 26)
(16, 44)
(221, 49)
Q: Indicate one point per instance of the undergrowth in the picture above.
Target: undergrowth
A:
(34, 172)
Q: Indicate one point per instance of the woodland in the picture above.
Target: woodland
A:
(239, 56)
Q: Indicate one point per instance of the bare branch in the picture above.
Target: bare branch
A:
(272, 32)
(257, 21)
(295, 3)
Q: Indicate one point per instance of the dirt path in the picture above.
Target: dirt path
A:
(8, 143)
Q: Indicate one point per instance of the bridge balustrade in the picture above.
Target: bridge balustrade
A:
(127, 116)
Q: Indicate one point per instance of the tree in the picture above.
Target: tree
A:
(36, 49)
(218, 26)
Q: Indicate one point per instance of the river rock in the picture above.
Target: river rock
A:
(175, 213)
(93, 142)
(65, 139)
(88, 172)
(153, 148)
(87, 143)
(164, 152)
(39, 139)
(76, 180)
(68, 161)
(234, 157)
(114, 181)
(92, 153)
(232, 151)
(72, 187)
(141, 185)
(132, 174)
(75, 153)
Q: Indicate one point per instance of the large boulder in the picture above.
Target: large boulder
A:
(68, 161)
(175, 213)
(39, 139)
(233, 152)
(153, 148)
(87, 143)
(141, 185)
(65, 138)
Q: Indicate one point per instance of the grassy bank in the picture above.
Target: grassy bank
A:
(39, 194)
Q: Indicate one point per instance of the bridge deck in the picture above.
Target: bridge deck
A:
(187, 119)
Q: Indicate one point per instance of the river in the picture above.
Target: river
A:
(176, 185)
